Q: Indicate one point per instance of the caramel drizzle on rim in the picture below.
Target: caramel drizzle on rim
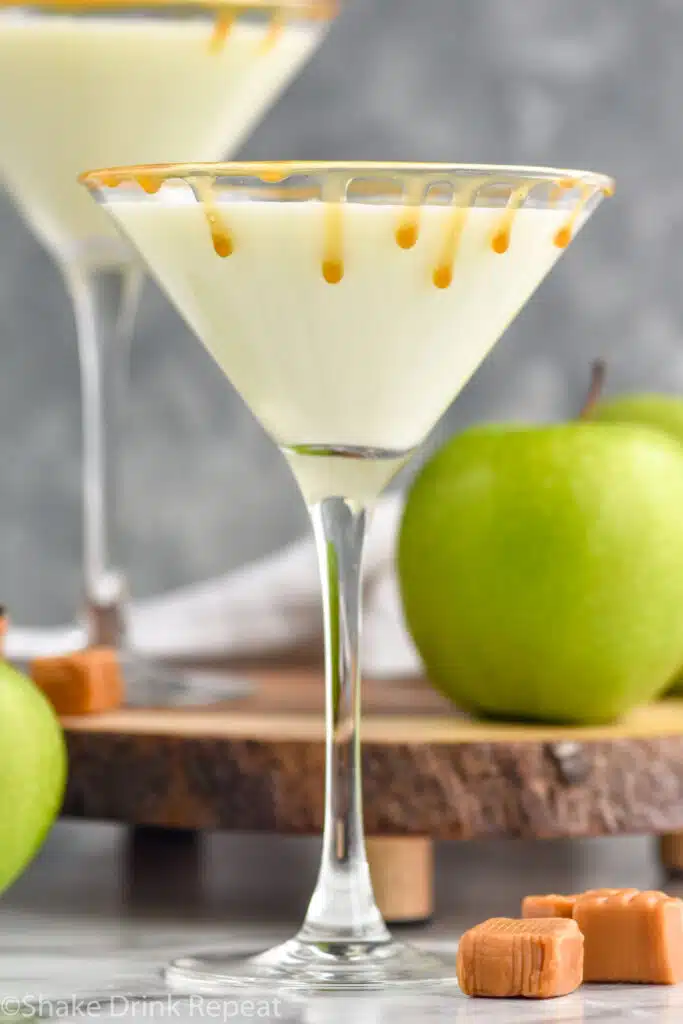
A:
(333, 231)
(226, 19)
(312, 10)
(148, 183)
(462, 203)
(278, 170)
(273, 177)
(221, 30)
(408, 230)
(335, 194)
(564, 235)
(274, 32)
(220, 233)
(227, 12)
(500, 242)
(558, 190)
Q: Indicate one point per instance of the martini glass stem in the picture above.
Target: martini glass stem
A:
(343, 908)
(105, 301)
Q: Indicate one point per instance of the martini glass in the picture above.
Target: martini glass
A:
(359, 298)
(87, 82)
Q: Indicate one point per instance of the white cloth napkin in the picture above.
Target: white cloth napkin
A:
(270, 607)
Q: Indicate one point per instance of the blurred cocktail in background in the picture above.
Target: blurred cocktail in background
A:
(95, 82)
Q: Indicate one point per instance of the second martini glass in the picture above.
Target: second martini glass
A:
(89, 82)
(359, 298)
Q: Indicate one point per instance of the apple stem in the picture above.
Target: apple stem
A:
(598, 374)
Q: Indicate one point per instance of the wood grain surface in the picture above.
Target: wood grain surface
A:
(256, 764)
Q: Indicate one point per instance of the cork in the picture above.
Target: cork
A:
(534, 958)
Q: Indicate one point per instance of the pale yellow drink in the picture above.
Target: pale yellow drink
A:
(85, 90)
(365, 363)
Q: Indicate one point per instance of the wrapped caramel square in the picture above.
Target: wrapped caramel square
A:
(537, 959)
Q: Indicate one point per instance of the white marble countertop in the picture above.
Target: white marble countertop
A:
(103, 907)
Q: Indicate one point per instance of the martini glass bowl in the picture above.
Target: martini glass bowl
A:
(87, 82)
(348, 304)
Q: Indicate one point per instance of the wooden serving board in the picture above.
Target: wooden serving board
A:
(257, 764)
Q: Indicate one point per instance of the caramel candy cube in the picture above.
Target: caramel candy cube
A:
(548, 906)
(83, 683)
(553, 905)
(537, 959)
(631, 936)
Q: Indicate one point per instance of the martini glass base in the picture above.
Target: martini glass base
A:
(149, 682)
(305, 966)
(159, 684)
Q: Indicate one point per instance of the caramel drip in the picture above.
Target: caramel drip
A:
(109, 180)
(275, 29)
(558, 189)
(500, 242)
(564, 235)
(221, 30)
(333, 256)
(325, 11)
(220, 235)
(443, 272)
(408, 231)
(568, 184)
(273, 177)
(316, 10)
(149, 183)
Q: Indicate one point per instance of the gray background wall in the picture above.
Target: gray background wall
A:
(582, 84)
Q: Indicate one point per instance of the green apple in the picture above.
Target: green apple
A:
(541, 569)
(663, 412)
(32, 771)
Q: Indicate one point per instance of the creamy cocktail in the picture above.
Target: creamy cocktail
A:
(371, 360)
(348, 304)
(106, 81)
(78, 90)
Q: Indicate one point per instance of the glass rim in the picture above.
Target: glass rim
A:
(277, 171)
(315, 9)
